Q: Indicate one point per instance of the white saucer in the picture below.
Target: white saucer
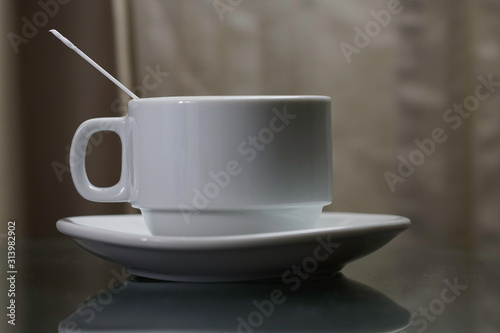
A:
(338, 239)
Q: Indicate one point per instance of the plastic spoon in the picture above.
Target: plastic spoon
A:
(92, 62)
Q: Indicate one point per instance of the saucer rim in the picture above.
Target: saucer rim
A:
(72, 229)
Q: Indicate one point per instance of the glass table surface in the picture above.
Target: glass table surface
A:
(407, 286)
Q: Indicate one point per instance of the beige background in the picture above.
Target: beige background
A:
(393, 92)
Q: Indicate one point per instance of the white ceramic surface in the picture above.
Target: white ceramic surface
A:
(338, 239)
(218, 165)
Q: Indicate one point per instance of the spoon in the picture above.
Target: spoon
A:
(92, 62)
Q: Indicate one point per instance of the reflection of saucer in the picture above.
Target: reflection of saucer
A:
(338, 239)
(336, 304)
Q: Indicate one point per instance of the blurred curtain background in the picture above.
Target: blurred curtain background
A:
(418, 62)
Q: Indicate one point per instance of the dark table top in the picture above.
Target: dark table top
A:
(62, 288)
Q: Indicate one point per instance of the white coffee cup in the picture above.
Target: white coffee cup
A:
(218, 165)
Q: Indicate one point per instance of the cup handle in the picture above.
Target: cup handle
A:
(116, 193)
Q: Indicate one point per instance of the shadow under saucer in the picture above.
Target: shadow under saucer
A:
(336, 304)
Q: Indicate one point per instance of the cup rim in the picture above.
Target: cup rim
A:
(217, 98)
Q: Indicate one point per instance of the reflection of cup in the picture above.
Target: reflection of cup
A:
(337, 304)
(199, 166)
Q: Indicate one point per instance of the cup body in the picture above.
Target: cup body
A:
(200, 166)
